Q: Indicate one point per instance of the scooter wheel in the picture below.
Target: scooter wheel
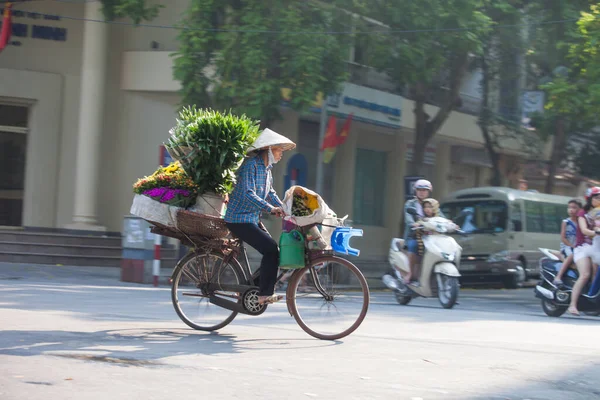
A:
(551, 309)
(401, 298)
(448, 287)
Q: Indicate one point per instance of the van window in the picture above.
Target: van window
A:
(478, 216)
(516, 217)
(544, 217)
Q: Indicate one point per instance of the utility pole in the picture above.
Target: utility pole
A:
(320, 166)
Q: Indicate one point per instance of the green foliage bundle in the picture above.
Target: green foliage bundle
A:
(211, 146)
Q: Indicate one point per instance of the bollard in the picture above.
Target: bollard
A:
(156, 261)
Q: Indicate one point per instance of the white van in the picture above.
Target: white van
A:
(505, 228)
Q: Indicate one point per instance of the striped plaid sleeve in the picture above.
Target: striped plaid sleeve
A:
(248, 182)
(272, 196)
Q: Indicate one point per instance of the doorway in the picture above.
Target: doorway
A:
(13, 150)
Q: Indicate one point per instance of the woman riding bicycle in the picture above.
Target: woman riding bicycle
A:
(253, 195)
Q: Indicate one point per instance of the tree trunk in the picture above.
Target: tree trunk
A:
(426, 129)
(484, 120)
(494, 157)
(558, 150)
(420, 142)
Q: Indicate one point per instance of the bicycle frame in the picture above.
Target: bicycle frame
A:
(239, 253)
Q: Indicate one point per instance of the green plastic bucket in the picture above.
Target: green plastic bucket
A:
(291, 250)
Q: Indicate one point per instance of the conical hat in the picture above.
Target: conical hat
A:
(269, 138)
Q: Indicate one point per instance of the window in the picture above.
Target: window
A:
(369, 187)
(544, 217)
(478, 216)
(13, 149)
(533, 213)
(516, 217)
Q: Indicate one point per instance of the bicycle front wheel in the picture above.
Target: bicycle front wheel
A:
(329, 299)
(191, 290)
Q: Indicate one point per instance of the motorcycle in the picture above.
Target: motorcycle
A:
(555, 299)
(439, 276)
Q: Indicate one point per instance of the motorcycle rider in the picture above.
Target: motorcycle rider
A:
(584, 254)
(423, 190)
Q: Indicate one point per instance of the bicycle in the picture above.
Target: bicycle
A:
(212, 275)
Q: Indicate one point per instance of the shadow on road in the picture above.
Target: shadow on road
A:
(140, 347)
(580, 384)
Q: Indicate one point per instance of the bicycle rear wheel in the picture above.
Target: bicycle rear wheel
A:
(329, 299)
(190, 293)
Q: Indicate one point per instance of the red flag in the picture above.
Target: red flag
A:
(345, 131)
(6, 27)
(330, 139)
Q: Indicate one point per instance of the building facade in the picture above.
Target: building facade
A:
(85, 107)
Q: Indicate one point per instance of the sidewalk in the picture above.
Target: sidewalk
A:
(71, 274)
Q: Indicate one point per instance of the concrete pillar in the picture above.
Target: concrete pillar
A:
(345, 164)
(91, 103)
(397, 171)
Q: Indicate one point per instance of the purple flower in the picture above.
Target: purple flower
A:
(156, 192)
(169, 195)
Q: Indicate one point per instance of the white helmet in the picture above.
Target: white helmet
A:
(423, 184)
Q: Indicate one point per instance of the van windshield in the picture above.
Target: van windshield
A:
(478, 216)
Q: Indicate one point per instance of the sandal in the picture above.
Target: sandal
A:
(270, 299)
(557, 282)
(573, 311)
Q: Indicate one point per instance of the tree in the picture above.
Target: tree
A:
(552, 66)
(245, 53)
(137, 10)
(498, 118)
(575, 93)
(428, 45)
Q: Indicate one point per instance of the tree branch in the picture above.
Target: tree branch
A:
(458, 72)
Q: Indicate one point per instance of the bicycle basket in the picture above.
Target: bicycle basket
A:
(196, 224)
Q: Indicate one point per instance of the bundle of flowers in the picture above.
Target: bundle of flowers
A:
(169, 185)
(303, 204)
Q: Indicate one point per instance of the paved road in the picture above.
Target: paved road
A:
(71, 333)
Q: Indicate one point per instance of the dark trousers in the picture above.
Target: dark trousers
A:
(260, 240)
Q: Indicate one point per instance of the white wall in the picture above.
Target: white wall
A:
(42, 93)
(139, 38)
(58, 65)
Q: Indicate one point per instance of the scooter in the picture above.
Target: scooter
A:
(555, 299)
(439, 273)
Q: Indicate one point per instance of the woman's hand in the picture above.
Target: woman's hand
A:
(278, 212)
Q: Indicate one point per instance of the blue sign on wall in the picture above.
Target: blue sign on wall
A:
(45, 32)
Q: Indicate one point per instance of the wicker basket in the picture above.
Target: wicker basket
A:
(196, 224)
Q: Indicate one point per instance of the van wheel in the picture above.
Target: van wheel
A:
(515, 281)
(512, 282)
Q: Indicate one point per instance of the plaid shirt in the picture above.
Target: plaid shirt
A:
(252, 194)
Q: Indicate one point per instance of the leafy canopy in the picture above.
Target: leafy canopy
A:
(239, 55)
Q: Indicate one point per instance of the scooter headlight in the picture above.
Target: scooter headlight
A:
(441, 228)
(448, 256)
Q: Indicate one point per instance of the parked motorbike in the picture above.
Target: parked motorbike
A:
(555, 299)
(439, 275)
